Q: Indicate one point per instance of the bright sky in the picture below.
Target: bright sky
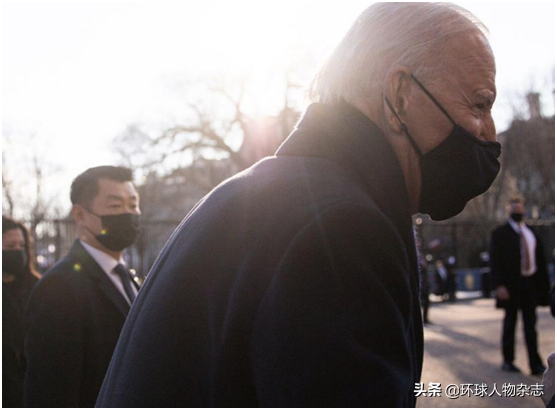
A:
(74, 75)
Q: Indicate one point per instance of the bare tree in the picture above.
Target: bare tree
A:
(527, 164)
(530, 158)
(26, 191)
(214, 126)
(213, 139)
(203, 128)
(7, 191)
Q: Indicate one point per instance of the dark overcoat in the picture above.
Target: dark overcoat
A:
(293, 283)
(14, 298)
(506, 267)
(74, 317)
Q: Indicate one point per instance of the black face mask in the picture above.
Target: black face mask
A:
(517, 217)
(457, 170)
(118, 231)
(14, 262)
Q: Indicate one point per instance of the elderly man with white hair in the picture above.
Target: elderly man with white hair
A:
(295, 283)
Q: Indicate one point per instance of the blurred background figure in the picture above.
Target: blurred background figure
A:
(451, 278)
(424, 292)
(441, 279)
(485, 272)
(18, 278)
(521, 283)
(424, 281)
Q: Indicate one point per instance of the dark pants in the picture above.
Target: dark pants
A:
(524, 300)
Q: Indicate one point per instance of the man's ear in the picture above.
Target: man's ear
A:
(397, 90)
(78, 213)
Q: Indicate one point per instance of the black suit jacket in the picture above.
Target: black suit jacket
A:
(74, 318)
(506, 266)
(292, 284)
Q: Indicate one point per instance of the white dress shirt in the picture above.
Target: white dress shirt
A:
(530, 242)
(107, 264)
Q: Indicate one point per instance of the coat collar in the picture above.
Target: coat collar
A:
(511, 229)
(104, 260)
(88, 266)
(347, 137)
(517, 227)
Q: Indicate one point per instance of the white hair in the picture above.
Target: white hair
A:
(383, 36)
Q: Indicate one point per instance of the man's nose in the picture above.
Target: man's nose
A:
(488, 132)
(133, 210)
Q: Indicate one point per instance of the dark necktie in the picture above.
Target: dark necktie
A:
(124, 275)
(525, 251)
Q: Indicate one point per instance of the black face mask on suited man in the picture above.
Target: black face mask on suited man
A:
(460, 168)
(118, 231)
(517, 217)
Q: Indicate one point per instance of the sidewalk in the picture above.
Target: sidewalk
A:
(463, 347)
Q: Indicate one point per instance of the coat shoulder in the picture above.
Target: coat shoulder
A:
(61, 280)
(64, 270)
(500, 230)
(277, 197)
(298, 180)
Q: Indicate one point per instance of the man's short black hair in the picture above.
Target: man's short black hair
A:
(86, 185)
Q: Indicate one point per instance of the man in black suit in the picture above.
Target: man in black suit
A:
(295, 283)
(77, 310)
(521, 283)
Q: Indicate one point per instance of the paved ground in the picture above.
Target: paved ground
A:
(463, 346)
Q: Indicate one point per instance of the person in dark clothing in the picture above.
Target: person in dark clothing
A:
(18, 278)
(521, 282)
(76, 311)
(485, 271)
(424, 282)
(441, 279)
(295, 283)
(424, 293)
(451, 278)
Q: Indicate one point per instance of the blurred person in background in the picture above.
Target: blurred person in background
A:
(485, 272)
(442, 279)
(18, 278)
(424, 288)
(295, 283)
(77, 310)
(424, 280)
(521, 282)
(451, 278)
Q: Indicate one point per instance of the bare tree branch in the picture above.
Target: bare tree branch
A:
(7, 193)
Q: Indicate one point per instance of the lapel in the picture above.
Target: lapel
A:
(513, 235)
(513, 247)
(511, 229)
(91, 268)
(347, 137)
